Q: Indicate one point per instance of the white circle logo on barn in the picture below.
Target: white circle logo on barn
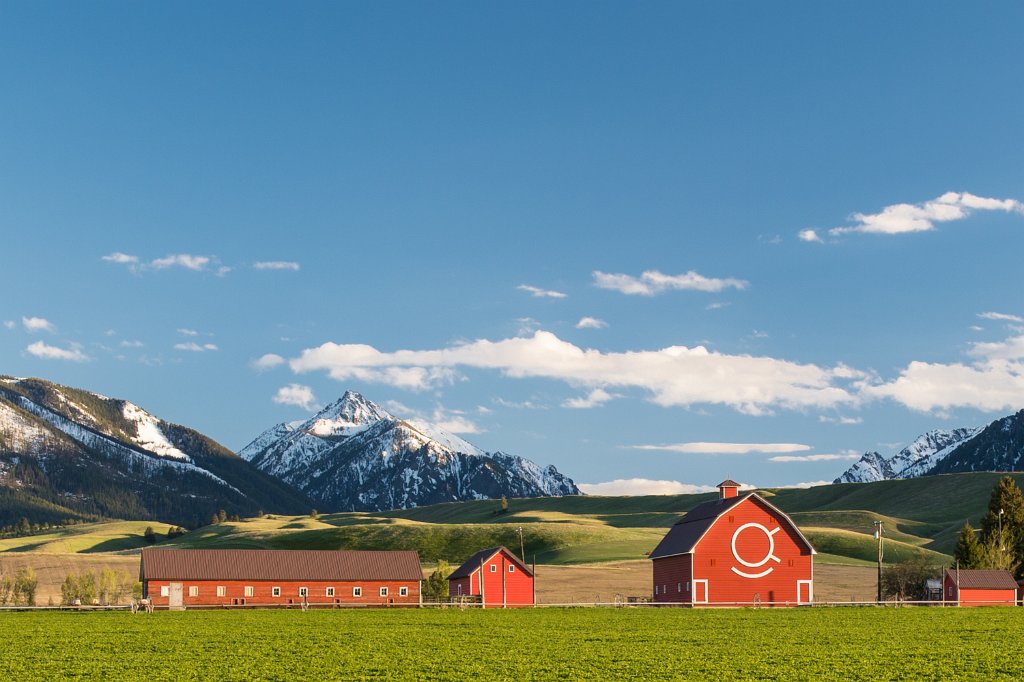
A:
(770, 556)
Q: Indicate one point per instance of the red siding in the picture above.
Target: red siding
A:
(771, 582)
(263, 593)
(517, 589)
(977, 597)
(672, 579)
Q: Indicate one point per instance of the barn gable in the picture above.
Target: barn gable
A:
(688, 531)
(473, 563)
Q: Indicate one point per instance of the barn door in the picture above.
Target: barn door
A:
(175, 595)
(700, 591)
(804, 592)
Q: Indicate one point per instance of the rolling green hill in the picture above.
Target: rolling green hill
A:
(921, 516)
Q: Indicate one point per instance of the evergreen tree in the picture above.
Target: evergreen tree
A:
(1002, 528)
(313, 513)
(24, 527)
(222, 516)
(436, 586)
(969, 551)
(150, 534)
(504, 504)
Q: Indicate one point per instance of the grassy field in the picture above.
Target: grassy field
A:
(528, 644)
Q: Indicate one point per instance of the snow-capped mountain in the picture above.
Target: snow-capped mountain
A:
(355, 456)
(69, 453)
(996, 447)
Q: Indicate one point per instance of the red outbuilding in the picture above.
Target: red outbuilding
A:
(497, 576)
(178, 578)
(972, 587)
(736, 550)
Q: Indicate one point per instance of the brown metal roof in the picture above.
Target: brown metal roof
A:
(278, 564)
(728, 483)
(987, 579)
(474, 562)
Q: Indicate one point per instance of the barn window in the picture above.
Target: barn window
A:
(275, 591)
(303, 591)
(712, 562)
(403, 591)
(950, 590)
(383, 591)
(193, 590)
(222, 591)
(248, 590)
(165, 590)
(655, 590)
(511, 568)
(687, 585)
(494, 568)
(679, 587)
(357, 592)
(458, 589)
(330, 591)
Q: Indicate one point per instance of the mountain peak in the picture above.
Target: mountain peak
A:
(351, 411)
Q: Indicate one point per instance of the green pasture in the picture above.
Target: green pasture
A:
(531, 644)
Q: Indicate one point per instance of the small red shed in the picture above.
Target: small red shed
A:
(498, 576)
(178, 578)
(974, 587)
(737, 550)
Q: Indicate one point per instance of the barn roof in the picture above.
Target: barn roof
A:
(687, 531)
(728, 483)
(987, 579)
(278, 564)
(473, 563)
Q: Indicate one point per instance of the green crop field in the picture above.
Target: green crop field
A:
(541, 644)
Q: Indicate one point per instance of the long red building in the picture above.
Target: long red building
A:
(497, 576)
(736, 550)
(177, 578)
(979, 587)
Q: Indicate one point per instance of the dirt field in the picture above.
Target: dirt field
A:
(568, 584)
(555, 584)
(52, 568)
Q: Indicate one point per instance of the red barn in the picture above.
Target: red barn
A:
(979, 587)
(497, 575)
(177, 578)
(736, 550)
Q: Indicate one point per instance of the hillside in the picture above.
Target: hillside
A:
(72, 455)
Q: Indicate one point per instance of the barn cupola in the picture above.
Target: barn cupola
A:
(728, 488)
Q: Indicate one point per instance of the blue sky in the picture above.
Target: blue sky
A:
(826, 200)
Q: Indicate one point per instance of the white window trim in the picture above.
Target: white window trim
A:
(165, 590)
(494, 568)
(303, 591)
(383, 591)
(222, 591)
(330, 592)
(275, 591)
(511, 568)
(249, 591)
(193, 590)
(403, 591)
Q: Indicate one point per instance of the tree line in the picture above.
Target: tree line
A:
(19, 589)
(104, 588)
(1000, 542)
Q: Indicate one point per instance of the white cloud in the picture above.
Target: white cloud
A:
(715, 306)
(675, 376)
(194, 347)
(644, 486)
(1001, 317)
(48, 352)
(38, 324)
(297, 395)
(268, 361)
(806, 484)
(976, 328)
(188, 332)
(832, 457)
(181, 260)
(809, 236)
(537, 292)
(591, 323)
(10, 324)
(121, 258)
(902, 218)
(725, 448)
(597, 397)
(847, 421)
(131, 344)
(652, 282)
(994, 381)
(276, 265)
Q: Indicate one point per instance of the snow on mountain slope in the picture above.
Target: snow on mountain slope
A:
(148, 434)
(917, 459)
(354, 455)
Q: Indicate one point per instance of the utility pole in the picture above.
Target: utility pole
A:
(879, 531)
(522, 546)
(1001, 548)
